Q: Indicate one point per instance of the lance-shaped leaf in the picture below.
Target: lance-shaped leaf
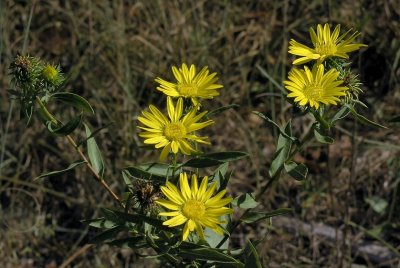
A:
(214, 159)
(209, 254)
(282, 151)
(363, 119)
(129, 242)
(93, 134)
(222, 109)
(342, 113)
(296, 171)
(245, 201)
(94, 153)
(321, 137)
(252, 217)
(253, 260)
(65, 129)
(107, 235)
(58, 172)
(283, 132)
(74, 100)
(152, 171)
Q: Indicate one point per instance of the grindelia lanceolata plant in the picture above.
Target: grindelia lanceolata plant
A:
(180, 206)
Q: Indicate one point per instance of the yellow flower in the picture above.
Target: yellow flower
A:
(194, 206)
(315, 87)
(174, 133)
(325, 45)
(190, 85)
(50, 72)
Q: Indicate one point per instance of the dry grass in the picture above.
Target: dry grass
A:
(113, 50)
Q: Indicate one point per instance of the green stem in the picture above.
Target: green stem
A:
(46, 114)
(49, 117)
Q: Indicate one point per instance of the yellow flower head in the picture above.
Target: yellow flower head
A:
(190, 85)
(315, 87)
(325, 45)
(194, 206)
(174, 133)
(50, 72)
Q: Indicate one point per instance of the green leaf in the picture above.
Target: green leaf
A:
(93, 134)
(222, 109)
(363, 119)
(253, 260)
(282, 132)
(52, 173)
(139, 219)
(67, 128)
(296, 171)
(245, 201)
(252, 217)
(101, 223)
(282, 151)
(129, 242)
(74, 100)
(219, 175)
(378, 204)
(127, 180)
(342, 113)
(213, 239)
(360, 103)
(322, 138)
(208, 254)
(201, 162)
(214, 159)
(152, 171)
(226, 156)
(107, 235)
(94, 153)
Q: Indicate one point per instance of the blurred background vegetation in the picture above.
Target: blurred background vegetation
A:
(111, 51)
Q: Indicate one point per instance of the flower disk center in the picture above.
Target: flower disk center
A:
(326, 49)
(175, 131)
(313, 92)
(188, 89)
(193, 209)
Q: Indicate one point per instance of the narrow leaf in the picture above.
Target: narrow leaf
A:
(282, 132)
(214, 159)
(282, 151)
(52, 173)
(74, 100)
(296, 171)
(151, 171)
(245, 201)
(253, 260)
(252, 217)
(93, 134)
(322, 138)
(129, 242)
(363, 119)
(94, 153)
(67, 128)
(222, 109)
(139, 219)
(342, 113)
(106, 235)
(207, 254)
(101, 223)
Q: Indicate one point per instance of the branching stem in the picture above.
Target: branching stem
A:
(48, 116)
